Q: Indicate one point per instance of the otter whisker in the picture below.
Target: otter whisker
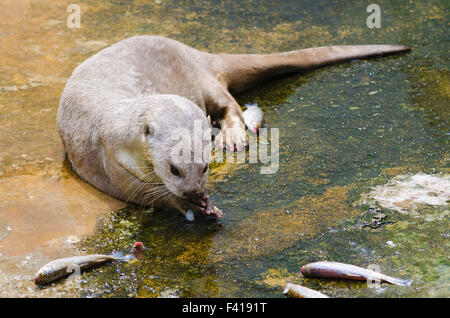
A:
(132, 189)
(149, 195)
(135, 192)
(156, 193)
(151, 173)
(146, 196)
(163, 193)
(137, 189)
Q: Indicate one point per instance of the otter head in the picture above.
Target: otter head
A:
(174, 150)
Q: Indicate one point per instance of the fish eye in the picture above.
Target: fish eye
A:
(174, 170)
(206, 168)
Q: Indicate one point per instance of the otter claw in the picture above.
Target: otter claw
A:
(213, 210)
(231, 138)
(218, 213)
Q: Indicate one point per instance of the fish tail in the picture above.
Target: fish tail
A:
(118, 256)
(398, 281)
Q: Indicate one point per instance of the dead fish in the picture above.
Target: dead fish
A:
(327, 269)
(253, 117)
(298, 291)
(65, 266)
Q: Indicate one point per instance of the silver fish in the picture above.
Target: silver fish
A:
(346, 271)
(298, 291)
(253, 117)
(65, 266)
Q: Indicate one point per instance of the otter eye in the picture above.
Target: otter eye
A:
(146, 130)
(174, 170)
(149, 130)
(206, 168)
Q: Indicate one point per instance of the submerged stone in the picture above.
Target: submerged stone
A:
(407, 193)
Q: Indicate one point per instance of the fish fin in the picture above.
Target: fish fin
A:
(119, 256)
(353, 274)
(127, 257)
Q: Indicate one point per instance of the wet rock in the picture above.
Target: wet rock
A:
(390, 244)
(169, 293)
(406, 193)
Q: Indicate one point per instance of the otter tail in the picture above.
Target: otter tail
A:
(241, 71)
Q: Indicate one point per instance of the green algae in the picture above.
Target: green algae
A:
(338, 139)
(344, 130)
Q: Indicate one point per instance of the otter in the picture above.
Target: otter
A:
(119, 108)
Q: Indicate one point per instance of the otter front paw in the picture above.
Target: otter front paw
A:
(232, 137)
(211, 209)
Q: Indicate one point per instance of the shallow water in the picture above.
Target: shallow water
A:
(344, 129)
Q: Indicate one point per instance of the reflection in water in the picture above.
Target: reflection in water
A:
(343, 130)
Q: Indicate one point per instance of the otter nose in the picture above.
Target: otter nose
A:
(194, 194)
(197, 197)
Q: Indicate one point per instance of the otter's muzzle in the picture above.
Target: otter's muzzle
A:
(199, 198)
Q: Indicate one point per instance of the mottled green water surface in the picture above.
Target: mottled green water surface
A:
(343, 130)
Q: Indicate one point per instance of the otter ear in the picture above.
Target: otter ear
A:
(209, 121)
(149, 130)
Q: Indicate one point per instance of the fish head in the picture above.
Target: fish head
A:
(303, 269)
(138, 246)
(44, 277)
(37, 280)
